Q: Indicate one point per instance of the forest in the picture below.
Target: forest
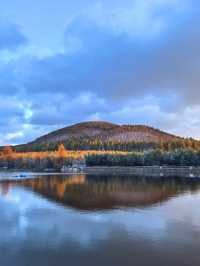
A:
(47, 160)
(152, 158)
(98, 144)
(54, 160)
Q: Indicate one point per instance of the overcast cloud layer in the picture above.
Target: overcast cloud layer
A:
(123, 61)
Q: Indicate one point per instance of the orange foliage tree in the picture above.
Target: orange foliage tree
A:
(7, 150)
(62, 151)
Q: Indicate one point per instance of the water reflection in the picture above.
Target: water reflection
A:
(102, 192)
(149, 222)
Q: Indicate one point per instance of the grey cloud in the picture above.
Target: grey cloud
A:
(63, 110)
(11, 36)
(9, 80)
(117, 69)
(120, 69)
(12, 118)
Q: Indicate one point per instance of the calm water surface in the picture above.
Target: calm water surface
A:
(93, 220)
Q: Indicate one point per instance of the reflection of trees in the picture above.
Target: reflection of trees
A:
(5, 188)
(108, 193)
(53, 186)
(91, 192)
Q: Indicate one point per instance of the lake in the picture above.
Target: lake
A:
(98, 220)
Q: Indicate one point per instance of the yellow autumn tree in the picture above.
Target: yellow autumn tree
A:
(62, 151)
(7, 150)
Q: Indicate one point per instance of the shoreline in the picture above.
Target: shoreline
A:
(147, 171)
(189, 172)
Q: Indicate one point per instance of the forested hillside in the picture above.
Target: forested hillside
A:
(107, 136)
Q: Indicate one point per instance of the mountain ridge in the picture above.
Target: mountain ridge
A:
(94, 128)
(106, 132)
(102, 135)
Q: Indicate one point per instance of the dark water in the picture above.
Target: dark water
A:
(87, 220)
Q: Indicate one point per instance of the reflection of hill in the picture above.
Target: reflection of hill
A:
(89, 193)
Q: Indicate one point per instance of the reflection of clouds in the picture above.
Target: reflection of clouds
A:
(33, 219)
(184, 209)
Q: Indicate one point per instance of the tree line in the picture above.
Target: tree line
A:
(172, 155)
(98, 144)
(151, 158)
(47, 160)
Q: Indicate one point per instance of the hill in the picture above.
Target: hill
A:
(107, 132)
(100, 135)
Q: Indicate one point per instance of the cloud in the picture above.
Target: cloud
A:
(11, 36)
(130, 62)
(137, 19)
(109, 62)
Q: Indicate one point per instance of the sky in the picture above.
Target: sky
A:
(127, 62)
